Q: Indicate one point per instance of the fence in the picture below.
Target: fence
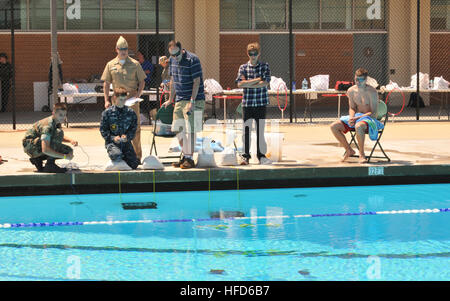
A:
(393, 40)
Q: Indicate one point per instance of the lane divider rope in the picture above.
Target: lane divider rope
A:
(53, 224)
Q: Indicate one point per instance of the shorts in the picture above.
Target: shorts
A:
(347, 128)
(192, 123)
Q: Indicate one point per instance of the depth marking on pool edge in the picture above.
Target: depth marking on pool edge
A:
(47, 224)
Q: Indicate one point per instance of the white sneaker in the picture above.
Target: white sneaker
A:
(243, 160)
(265, 161)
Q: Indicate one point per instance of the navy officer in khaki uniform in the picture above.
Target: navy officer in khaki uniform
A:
(125, 72)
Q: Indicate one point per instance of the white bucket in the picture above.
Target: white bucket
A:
(274, 146)
(274, 143)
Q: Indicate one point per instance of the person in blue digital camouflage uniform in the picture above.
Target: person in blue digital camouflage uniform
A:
(118, 128)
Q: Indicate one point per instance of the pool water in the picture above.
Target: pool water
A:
(270, 245)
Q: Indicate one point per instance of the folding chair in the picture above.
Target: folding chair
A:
(165, 115)
(382, 107)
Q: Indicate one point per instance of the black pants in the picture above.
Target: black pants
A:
(123, 151)
(5, 95)
(258, 114)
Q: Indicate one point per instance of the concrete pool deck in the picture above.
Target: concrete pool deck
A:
(419, 152)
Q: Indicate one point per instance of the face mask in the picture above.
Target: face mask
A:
(122, 62)
(360, 82)
(176, 54)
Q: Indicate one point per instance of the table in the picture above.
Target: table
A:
(224, 97)
(298, 92)
(63, 97)
(383, 91)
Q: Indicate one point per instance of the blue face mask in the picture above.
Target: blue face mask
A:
(361, 81)
(176, 54)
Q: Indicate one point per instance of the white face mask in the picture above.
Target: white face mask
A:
(122, 62)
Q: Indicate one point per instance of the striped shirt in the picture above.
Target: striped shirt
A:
(184, 73)
(254, 97)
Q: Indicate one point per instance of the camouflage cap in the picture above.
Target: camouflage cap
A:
(121, 43)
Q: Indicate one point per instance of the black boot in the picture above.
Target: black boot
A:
(37, 162)
(51, 167)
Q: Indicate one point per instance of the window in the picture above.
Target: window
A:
(147, 15)
(40, 14)
(20, 14)
(270, 14)
(336, 14)
(235, 14)
(120, 15)
(305, 14)
(440, 14)
(369, 14)
(89, 16)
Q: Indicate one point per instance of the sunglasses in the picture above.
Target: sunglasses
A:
(253, 53)
(123, 49)
(121, 94)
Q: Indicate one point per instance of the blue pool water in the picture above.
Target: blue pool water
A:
(362, 247)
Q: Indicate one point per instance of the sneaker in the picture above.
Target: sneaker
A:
(188, 163)
(265, 161)
(51, 167)
(178, 164)
(243, 160)
(37, 162)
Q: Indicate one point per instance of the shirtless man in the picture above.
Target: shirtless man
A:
(363, 100)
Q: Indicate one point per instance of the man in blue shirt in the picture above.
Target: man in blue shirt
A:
(148, 108)
(254, 77)
(186, 82)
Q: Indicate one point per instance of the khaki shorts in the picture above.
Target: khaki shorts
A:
(192, 123)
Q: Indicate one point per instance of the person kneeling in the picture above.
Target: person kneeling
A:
(118, 128)
(44, 141)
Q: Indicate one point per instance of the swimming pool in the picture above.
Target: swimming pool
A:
(275, 240)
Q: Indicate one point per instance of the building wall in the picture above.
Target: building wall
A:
(207, 16)
(197, 28)
(184, 23)
(440, 55)
(324, 54)
(233, 53)
(82, 54)
(196, 25)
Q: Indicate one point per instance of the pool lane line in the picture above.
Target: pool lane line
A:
(187, 220)
(218, 252)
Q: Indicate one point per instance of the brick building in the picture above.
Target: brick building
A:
(332, 37)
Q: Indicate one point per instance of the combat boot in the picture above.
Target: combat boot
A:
(37, 162)
(51, 167)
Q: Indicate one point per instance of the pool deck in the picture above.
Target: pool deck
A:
(419, 152)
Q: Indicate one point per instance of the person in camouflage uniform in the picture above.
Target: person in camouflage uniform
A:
(118, 128)
(44, 141)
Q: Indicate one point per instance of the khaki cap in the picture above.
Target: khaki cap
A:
(121, 43)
